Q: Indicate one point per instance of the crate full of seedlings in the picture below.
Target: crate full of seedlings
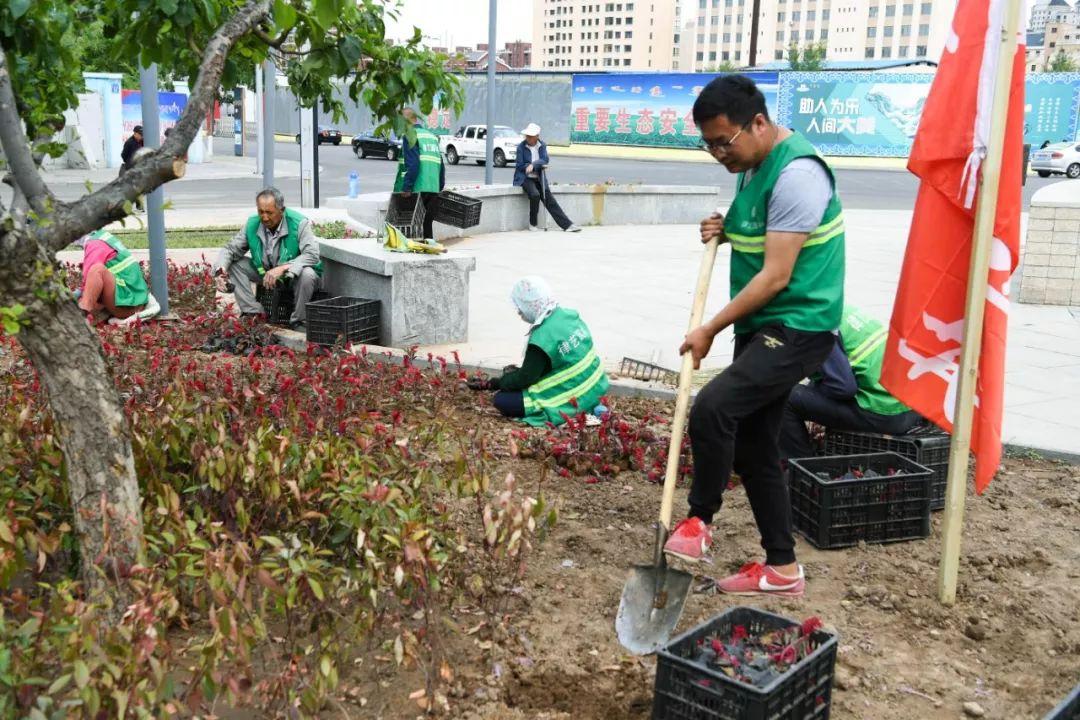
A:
(406, 214)
(458, 210)
(747, 664)
(343, 320)
(838, 501)
(927, 445)
(1067, 709)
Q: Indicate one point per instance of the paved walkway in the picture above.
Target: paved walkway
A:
(220, 167)
(634, 284)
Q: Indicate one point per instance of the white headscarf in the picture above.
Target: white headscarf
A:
(534, 299)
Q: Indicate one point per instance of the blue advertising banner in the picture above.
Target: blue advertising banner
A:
(854, 113)
(647, 109)
(1051, 108)
(877, 114)
(170, 106)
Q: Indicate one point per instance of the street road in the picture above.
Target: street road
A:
(863, 189)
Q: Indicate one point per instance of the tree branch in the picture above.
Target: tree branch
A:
(276, 44)
(107, 204)
(17, 147)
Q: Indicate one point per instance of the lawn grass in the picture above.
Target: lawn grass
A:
(135, 238)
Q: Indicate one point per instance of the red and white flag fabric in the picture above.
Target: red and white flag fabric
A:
(923, 349)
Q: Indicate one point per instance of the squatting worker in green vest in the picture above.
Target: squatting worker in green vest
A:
(786, 232)
(847, 393)
(275, 245)
(561, 375)
(421, 170)
(113, 285)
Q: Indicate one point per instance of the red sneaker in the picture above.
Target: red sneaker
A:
(689, 540)
(757, 579)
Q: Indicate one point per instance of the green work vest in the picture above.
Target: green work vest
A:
(131, 289)
(813, 301)
(864, 338)
(290, 246)
(576, 371)
(427, 180)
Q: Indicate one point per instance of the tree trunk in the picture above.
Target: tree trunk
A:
(92, 431)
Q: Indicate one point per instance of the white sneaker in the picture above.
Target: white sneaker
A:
(534, 228)
(573, 228)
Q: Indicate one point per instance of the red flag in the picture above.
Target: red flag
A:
(923, 350)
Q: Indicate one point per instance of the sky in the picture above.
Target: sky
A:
(448, 23)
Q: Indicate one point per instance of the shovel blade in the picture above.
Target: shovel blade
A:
(651, 604)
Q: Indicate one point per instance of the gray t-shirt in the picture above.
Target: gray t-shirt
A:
(800, 197)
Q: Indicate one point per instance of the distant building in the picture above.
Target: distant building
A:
(1057, 37)
(850, 30)
(576, 35)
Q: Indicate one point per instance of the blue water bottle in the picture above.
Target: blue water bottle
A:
(354, 184)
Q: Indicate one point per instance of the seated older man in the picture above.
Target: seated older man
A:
(275, 245)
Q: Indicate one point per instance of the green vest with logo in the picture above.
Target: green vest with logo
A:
(427, 180)
(813, 301)
(576, 371)
(131, 289)
(864, 338)
(290, 246)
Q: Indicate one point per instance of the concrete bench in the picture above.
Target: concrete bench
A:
(424, 299)
(506, 208)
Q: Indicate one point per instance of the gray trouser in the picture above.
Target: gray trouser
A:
(243, 277)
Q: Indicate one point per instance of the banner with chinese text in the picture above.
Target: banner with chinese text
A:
(877, 114)
(855, 113)
(651, 109)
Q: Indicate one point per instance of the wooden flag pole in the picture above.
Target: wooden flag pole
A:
(974, 307)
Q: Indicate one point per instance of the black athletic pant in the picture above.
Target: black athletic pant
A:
(431, 202)
(532, 188)
(808, 403)
(735, 422)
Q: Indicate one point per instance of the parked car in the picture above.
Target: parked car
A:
(365, 145)
(1059, 159)
(326, 135)
(470, 141)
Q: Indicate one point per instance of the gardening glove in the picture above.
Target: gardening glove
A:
(477, 383)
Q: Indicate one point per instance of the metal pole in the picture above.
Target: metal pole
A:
(974, 308)
(269, 91)
(155, 211)
(754, 22)
(489, 150)
(260, 131)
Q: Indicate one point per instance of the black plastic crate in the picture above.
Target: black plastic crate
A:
(343, 320)
(926, 445)
(458, 210)
(840, 513)
(278, 303)
(686, 690)
(1067, 709)
(406, 214)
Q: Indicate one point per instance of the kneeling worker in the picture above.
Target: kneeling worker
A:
(847, 393)
(561, 375)
(282, 248)
(113, 285)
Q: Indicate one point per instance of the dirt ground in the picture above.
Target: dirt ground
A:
(1011, 643)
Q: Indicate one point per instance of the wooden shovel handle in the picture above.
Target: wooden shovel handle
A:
(682, 400)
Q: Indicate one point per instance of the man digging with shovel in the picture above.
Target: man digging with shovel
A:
(786, 231)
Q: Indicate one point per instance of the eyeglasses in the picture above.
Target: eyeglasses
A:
(722, 147)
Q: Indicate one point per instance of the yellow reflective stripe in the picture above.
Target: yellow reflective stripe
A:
(563, 375)
(828, 227)
(868, 346)
(744, 238)
(581, 389)
(123, 264)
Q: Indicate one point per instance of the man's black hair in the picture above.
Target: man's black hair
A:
(734, 96)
